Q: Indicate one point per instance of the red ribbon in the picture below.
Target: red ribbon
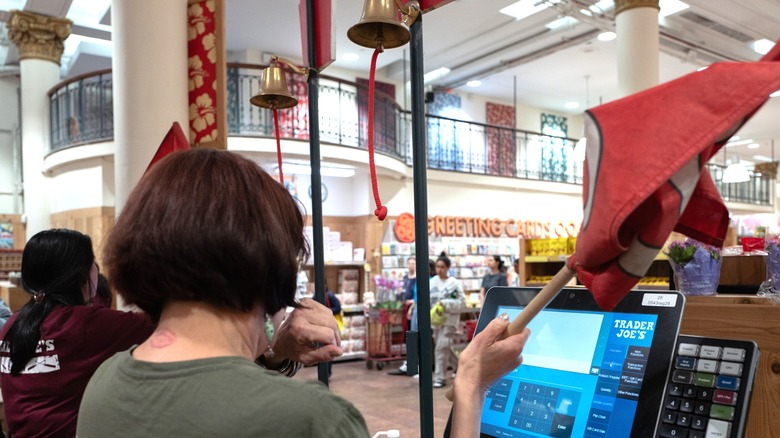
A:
(381, 210)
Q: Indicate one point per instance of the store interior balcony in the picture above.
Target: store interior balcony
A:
(81, 123)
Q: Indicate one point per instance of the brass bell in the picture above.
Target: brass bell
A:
(273, 91)
(379, 25)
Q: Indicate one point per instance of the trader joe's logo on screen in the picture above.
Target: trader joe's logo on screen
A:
(404, 228)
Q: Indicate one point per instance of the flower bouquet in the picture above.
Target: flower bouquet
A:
(696, 267)
(772, 259)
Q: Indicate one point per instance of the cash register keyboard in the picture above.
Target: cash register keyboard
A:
(709, 388)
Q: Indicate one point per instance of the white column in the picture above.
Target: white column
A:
(39, 39)
(150, 83)
(636, 25)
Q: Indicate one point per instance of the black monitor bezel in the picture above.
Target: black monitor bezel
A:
(580, 299)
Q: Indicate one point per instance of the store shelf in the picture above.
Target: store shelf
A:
(545, 259)
(546, 266)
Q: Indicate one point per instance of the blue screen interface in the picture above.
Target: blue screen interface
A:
(581, 376)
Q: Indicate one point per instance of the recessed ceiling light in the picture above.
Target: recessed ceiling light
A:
(607, 36)
(775, 94)
(524, 8)
(572, 105)
(350, 56)
(670, 7)
(473, 84)
(702, 68)
(561, 23)
(739, 142)
(435, 74)
(753, 146)
(763, 46)
(762, 158)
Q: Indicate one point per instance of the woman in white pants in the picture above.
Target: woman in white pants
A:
(449, 292)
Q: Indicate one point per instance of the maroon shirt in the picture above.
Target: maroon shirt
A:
(44, 399)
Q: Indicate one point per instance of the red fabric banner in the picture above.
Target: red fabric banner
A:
(645, 171)
(205, 49)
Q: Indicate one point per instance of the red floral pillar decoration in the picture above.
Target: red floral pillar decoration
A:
(207, 71)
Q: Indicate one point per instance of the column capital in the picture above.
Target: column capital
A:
(38, 36)
(624, 5)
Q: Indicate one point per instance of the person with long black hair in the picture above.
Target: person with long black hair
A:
(51, 347)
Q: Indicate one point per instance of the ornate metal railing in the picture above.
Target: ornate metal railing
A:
(82, 112)
(455, 145)
(757, 191)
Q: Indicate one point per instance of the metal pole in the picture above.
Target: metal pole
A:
(316, 178)
(419, 171)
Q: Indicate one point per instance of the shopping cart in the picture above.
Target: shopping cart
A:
(386, 329)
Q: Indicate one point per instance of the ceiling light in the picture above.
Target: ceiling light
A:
(330, 170)
(603, 5)
(762, 158)
(775, 94)
(763, 46)
(435, 74)
(350, 56)
(524, 8)
(89, 13)
(586, 12)
(572, 105)
(738, 143)
(735, 173)
(670, 7)
(734, 138)
(607, 36)
(562, 23)
(753, 146)
(474, 84)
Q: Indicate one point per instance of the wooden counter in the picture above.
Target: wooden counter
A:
(745, 317)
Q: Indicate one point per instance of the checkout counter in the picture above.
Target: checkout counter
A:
(745, 317)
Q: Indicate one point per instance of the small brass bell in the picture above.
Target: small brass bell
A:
(379, 25)
(273, 90)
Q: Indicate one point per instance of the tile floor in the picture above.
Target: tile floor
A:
(386, 401)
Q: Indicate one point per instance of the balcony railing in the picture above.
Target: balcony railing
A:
(456, 145)
(82, 112)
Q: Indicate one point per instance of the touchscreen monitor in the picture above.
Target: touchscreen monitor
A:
(585, 372)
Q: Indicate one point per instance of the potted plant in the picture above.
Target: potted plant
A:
(696, 267)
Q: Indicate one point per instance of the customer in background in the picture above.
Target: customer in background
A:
(515, 281)
(53, 345)
(496, 276)
(212, 283)
(449, 292)
(410, 297)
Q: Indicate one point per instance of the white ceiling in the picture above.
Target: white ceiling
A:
(548, 67)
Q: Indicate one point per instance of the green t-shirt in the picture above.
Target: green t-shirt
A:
(215, 397)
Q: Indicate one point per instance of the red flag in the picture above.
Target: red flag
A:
(174, 140)
(645, 171)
